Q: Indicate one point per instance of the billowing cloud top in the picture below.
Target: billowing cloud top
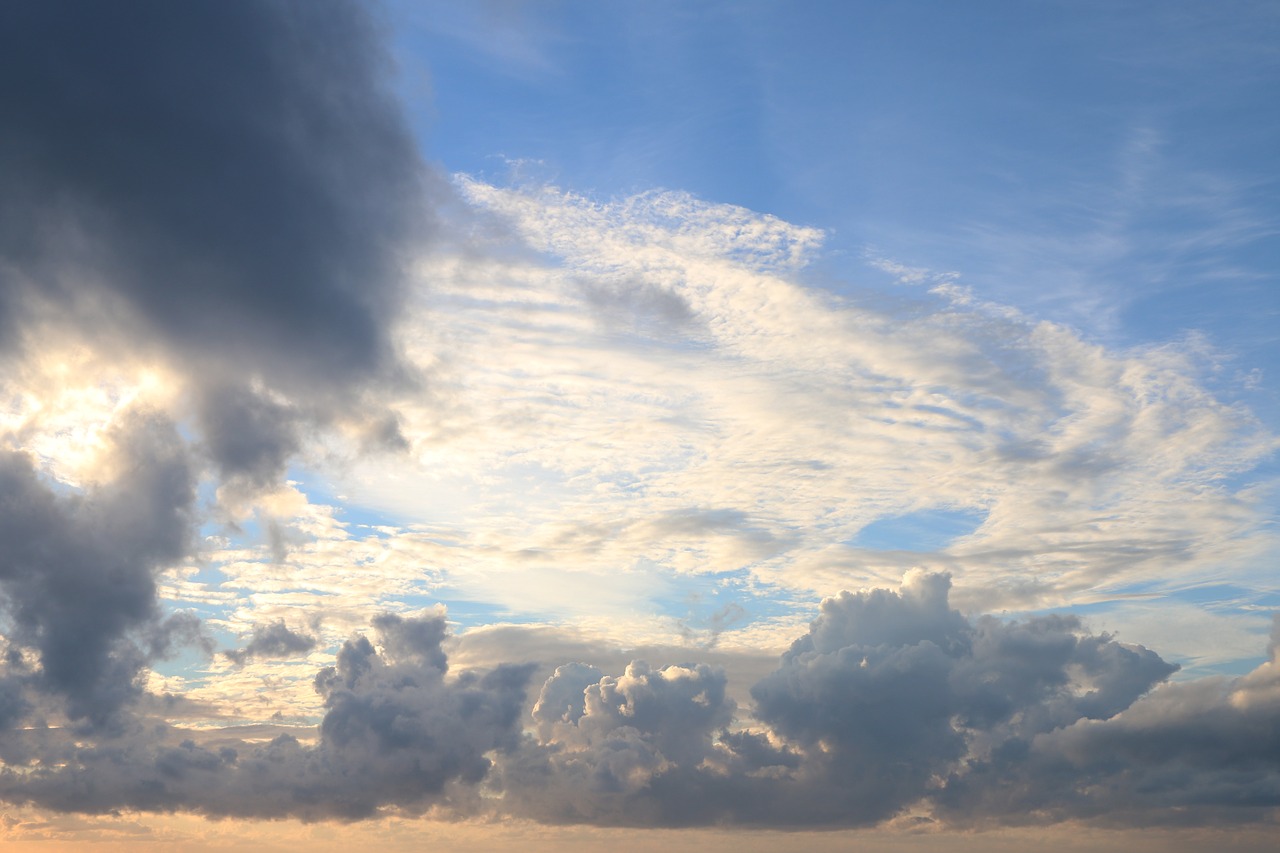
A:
(891, 703)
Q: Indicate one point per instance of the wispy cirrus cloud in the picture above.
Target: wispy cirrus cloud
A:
(789, 419)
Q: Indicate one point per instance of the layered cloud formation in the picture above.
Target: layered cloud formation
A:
(265, 406)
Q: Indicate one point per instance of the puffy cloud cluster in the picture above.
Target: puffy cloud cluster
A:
(1205, 751)
(606, 743)
(889, 692)
(887, 695)
(892, 703)
(397, 731)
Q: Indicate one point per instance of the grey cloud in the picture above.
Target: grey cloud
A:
(890, 690)
(396, 733)
(272, 641)
(638, 306)
(77, 571)
(416, 641)
(1201, 752)
(233, 178)
(167, 637)
(227, 187)
(892, 701)
(885, 694)
(733, 524)
(695, 521)
(605, 748)
(13, 705)
(248, 435)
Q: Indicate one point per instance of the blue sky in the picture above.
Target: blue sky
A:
(511, 421)
(1110, 165)
(1107, 166)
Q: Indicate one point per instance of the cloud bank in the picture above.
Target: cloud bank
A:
(891, 704)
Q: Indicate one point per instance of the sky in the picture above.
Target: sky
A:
(546, 425)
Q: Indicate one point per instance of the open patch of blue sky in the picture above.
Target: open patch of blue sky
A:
(1210, 628)
(923, 530)
(706, 606)
(361, 520)
(1105, 166)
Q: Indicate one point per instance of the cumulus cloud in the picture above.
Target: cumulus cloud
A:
(891, 703)
(1199, 752)
(398, 730)
(77, 573)
(607, 742)
(884, 696)
(890, 690)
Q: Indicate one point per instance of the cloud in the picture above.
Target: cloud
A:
(248, 435)
(1190, 753)
(890, 704)
(779, 421)
(272, 640)
(204, 219)
(396, 732)
(77, 576)
(893, 703)
(608, 741)
(230, 180)
(225, 194)
(887, 691)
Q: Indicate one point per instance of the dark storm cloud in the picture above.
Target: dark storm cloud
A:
(77, 570)
(273, 641)
(230, 180)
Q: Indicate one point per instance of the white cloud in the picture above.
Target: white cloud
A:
(558, 434)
